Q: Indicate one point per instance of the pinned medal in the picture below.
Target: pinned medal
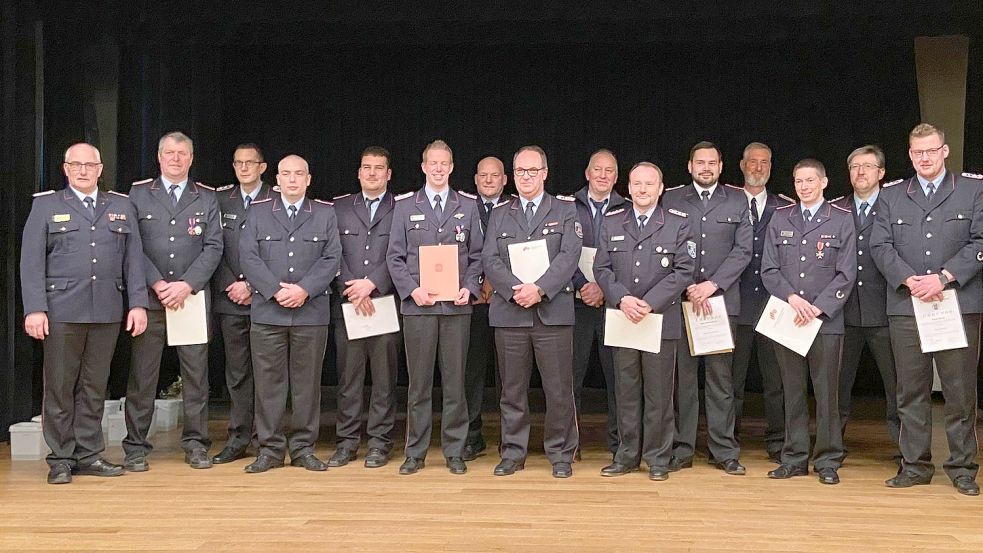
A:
(819, 249)
(193, 228)
(459, 233)
(665, 261)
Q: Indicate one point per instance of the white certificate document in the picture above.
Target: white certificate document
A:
(188, 325)
(383, 321)
(586, 263)
(778, 323)
(940, 323)
(530, 260)
(620, 332)
(708, 334)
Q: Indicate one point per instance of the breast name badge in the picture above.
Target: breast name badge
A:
(61, 218)
(418, 217)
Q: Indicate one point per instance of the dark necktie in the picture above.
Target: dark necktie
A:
(754, 212)
(705, 195)
(598, 217)
(863, 212)
(246, 202)
(807, 215)
(293, 212)
(368, 205)
(90, 205)
(529, 213)
(173, 195)
(488, 207)
(641, 221)
(930, 191)
(436, 207)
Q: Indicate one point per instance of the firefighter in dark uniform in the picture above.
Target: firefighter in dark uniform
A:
(810, 262)
(643, 266)
(181, 230)
(81, 268)
(364, 220)
(231, 296)
(290, 253)
(928, 237)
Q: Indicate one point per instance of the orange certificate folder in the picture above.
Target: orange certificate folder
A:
(438, 271)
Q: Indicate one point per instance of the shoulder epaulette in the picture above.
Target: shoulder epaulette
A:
(843, 209)
(837, 199)
(205, 186)
(787, 199)
(785, 206)
(118, 193)
(467, 195)
(503, 202)
(263, 201)
(513, 196)
(45, 193)
(275, 188)
(565, 198)
(614, 212)
(342, 196)
(144, 181)
(677, 212)
(973, 176)
(403, 196)
(734, 186)
(324, 202)
(892, 183)
(224, 188)
(675, 187)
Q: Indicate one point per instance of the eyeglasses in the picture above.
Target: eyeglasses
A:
(532, 171)
(248, 164)
(931, 152)
(864, 166)
(75, 166)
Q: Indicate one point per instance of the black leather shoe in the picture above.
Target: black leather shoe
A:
(376, 458)
(100, 467)
(907, 480)
(788, 471)
(61, 473)
(562, 470)
(229, 454)
(658, 474)
(966, 486)
(137, 463)
(731, 466)
(473, 451)
(617, 469)
(263, 463)
(828, 476)
(198, 459)
(341, 457)
(456, 465)
(508, 466)
(309, 462)
(677, 464)
(411, 465)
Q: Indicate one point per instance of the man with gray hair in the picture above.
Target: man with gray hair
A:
(182, 245)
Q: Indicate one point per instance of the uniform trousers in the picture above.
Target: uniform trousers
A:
(77, 358)
(552, 347)
(878, 341)
(588, 330)
(238, 379)
(957, 372)
(822, 365)
(747, 340)
(481, 361)
(287, 363)
(429, 338)
(141, 387)
(645, 416)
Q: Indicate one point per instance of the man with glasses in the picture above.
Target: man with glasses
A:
(181, 231)
(593, 202)
(81, 266)
(534, 318)
(435, 215)
(865, 313)
(232, 295)
(928, 238)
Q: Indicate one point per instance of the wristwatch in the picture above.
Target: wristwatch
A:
(943, 279)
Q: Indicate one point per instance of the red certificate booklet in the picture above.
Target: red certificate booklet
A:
(439, 272)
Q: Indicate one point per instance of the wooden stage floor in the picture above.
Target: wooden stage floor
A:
(351, 509)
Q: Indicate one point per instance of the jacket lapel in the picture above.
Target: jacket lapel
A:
(73, 202)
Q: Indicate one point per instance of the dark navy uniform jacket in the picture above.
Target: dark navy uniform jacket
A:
(234, 217)
(867, 303)
(754, 296)
(363, 243)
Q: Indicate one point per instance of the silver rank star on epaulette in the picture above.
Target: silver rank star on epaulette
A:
(787, 199)
(614, 212)
(226, 187)
(118, 193)
(403, 196)
(565, 198)
(342, 196)
(973, 176)
(678, 213)
(467, 195)
(323, 202)
(892, 183)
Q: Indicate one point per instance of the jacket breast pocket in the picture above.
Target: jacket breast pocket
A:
(64, 237)
(830, 253)
(787, 254)
(504, 239)
(726, 228)
(662, 258)
(121, 231)
(417, 234)
(901, 231)
(957, 225)
(150, 224)
(268, 245)
(316, 241)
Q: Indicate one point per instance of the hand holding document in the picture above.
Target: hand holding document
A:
(383, 321)
(188, 325)
(620, 332)
(529, 260)
(439, 271)
(586, 263)
(708, 334)
(940, 323)
(778, 323)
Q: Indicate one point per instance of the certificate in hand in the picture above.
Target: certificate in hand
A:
(383, 321)
(778, 323)
(586, 263)
(940, 323)
(188, 325)
(708, 334)
(439, 271)
(529, 260)
(620, 332)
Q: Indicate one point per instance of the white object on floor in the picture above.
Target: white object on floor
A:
(27, 442)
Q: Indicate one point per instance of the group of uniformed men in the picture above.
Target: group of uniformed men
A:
(276, 267)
